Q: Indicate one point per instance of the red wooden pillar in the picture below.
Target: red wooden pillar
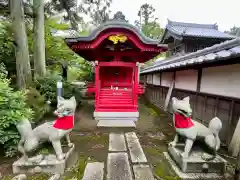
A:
(97, 84)
(135, 94)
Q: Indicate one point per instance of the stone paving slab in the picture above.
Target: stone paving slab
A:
(136, 152)
(118, 167)
(117, 142)
(192, 176)
(93, 171)
(142, 172)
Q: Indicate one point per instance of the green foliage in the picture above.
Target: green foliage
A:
(86, 72)
(153, 30)
(56, 49)
(235, 31)
(47, 86)
(37, 103)
(12, 109)
(7, 48)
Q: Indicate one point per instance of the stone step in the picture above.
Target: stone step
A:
(136, 152)
(142, 172)
(117, 118)
(93, 171)
(117, 142)
(118, 167)
(116, 123)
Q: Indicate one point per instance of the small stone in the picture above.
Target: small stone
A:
(55, 177)
(37, 169)
(20, 177)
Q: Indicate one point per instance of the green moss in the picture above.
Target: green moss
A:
(98, 139)
(162, 171)
(78, 170)
(40, 176)
(44, 151)
(152, 151)
(7, 178)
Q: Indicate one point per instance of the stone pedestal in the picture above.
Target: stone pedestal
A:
(194, 163)
(194, 167)
(46, 164)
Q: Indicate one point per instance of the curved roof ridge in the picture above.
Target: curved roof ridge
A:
(115, 24)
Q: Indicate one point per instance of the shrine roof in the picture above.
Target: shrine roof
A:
(219, 52)
(179, 30)
(113, 25)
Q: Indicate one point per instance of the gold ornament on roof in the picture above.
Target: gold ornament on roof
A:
(118, 38)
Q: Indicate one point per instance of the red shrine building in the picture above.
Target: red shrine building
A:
(117, 48)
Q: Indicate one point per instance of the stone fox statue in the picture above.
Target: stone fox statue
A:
(192, 130)
(49, 131)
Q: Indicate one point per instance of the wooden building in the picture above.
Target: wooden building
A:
(117, 48)
(210, 76)
(184, 38)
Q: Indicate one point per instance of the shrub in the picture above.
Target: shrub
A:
(37, 103)
(12, 109)
(47, 86)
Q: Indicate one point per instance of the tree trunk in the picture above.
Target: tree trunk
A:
(39, 41)
(23, 67)
(64, 70)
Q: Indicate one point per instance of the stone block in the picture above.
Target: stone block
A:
(194, 163)
(136, 152)
(193, 176)
(93, 171)
(118, 167)
(117, 142)
(46, 164)
(142, 172)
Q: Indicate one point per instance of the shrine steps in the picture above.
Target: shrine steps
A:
(116, 119)
(116, 123)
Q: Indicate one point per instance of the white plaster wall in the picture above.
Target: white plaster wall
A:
(156, 79)
(222, 80)
(166, 79)
(186, 79)
(149, 78)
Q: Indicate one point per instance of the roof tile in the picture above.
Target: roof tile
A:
(222, 51)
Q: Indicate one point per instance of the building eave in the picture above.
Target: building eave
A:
(218, 52)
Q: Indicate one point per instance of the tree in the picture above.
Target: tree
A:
(98, 10)
(120, 16)
(24, 76)
(5, 8)
(146, 14)
(148, 22)
(235, 31)
(39, 42)
(55, 7)
(153, 30)
(149, 26)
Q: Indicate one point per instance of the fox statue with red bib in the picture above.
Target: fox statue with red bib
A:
(192, 130)
(49, 131)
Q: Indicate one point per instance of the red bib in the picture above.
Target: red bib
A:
(64, 123)
(182, 122)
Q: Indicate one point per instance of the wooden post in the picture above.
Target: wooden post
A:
(96, 84)
(136, 85)
(234, 145)
(167, 100)
(237, 169)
